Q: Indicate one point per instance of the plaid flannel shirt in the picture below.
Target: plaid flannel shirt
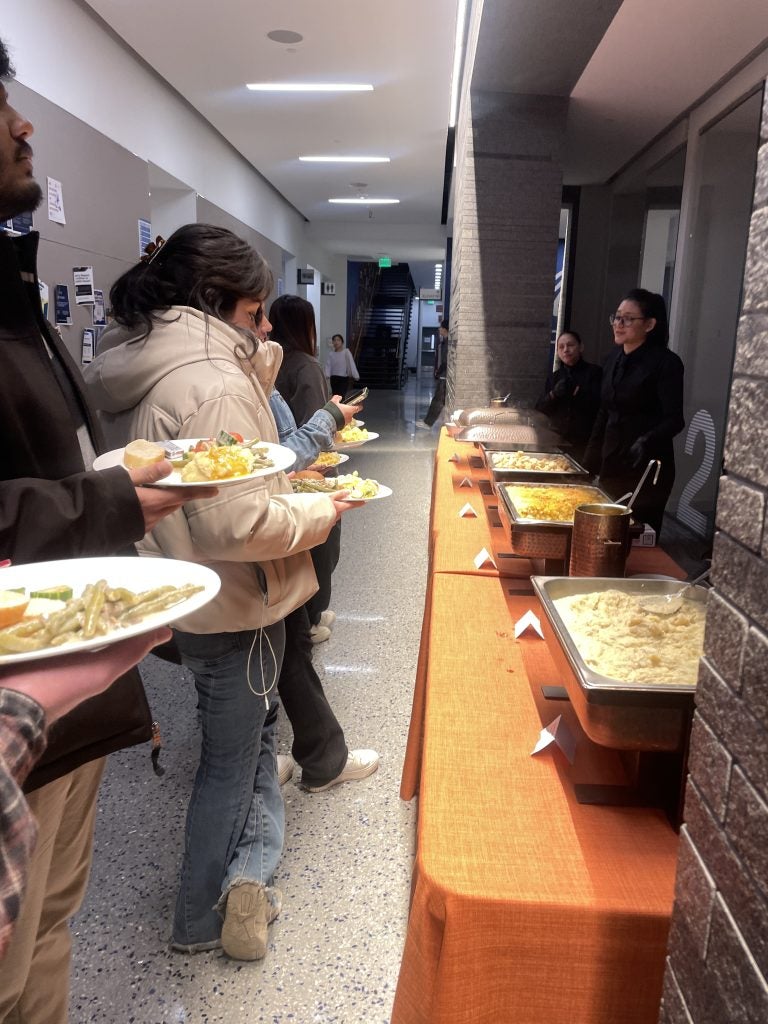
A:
(22, 741)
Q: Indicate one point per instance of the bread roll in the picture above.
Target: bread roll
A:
(142, 453)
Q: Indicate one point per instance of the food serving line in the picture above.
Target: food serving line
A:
(527, 905)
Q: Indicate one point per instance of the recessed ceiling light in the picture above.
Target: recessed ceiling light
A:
(309, 87)
(284, 35)
(345, 159)
(366, 202)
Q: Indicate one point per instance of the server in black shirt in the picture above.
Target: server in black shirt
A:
(571, 395)
(641, 407)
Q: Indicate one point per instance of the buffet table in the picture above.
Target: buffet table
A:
(527, 906)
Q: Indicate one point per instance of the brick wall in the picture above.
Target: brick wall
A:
(506, 216)
(717, 971)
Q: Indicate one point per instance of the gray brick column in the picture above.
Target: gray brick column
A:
(506, 216)
(718, 965)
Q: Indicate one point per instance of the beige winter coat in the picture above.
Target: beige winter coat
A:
(191, 378)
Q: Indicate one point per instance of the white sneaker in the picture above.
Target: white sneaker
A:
(318, 634)
(285, 767)
(360, 764)
(327, 618)
(421, 425)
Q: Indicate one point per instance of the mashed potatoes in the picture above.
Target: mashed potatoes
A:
(616, 637)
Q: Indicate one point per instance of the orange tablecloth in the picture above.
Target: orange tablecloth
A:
(527, 906)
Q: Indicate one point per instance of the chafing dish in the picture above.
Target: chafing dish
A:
(519, 435)
(537, 538)
(613, 712)
(570, 467)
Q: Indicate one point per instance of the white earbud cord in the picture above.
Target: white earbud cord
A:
(260, 634)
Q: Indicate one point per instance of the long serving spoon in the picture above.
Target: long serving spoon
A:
(668, 604)
(632, 495)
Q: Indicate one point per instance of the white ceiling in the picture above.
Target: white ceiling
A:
(630, 68)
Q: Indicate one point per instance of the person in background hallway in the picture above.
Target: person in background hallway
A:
(32, 697)
(340, 367)
(441, 369)
(302, 384)
(571, 395)
(641, 407)
(53, 506)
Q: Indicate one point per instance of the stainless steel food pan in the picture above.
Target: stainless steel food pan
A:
(532, 475)
(517, 434)
(613, 712)
(521, 523)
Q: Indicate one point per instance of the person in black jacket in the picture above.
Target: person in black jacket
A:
(571, 395)
(51, 507)
(641, 407)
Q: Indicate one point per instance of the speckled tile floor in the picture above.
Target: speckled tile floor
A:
(335, 949)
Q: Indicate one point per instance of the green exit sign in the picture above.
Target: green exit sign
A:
(385, 261)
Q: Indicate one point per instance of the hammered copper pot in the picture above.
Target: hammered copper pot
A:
(600, 541)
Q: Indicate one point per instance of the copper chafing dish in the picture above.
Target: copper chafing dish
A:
(612, 712)
(539, 538)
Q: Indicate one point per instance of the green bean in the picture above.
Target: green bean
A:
(160, 604)
(93, 609)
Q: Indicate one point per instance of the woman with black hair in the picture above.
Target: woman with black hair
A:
(184, 360)
(641, 407)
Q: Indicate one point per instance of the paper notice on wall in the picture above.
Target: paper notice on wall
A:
(61, 309)
(44, 297)
(89, 345)
(145, 235)
(98, 310)
(84, 294)
(56, 202)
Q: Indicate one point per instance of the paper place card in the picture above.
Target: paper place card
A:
(467, 512)
(454, 458)
(466, 482)
(528, 621)
(483, 560)
(557, 732)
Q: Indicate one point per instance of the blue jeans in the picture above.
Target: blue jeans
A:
(236, 818)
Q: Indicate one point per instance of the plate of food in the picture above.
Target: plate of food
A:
(327, 460)
(203, 461)
(360, 488)
(353, 437)
(81, 604)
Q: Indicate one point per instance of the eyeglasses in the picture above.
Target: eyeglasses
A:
(616, 319)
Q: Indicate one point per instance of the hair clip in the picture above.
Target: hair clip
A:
(151, 249)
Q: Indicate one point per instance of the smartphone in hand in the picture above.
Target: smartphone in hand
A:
(355, 397)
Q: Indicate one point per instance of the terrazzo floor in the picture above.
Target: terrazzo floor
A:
(335, 949)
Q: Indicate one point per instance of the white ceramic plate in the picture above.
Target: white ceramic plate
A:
(322, 467)
(383, 491)
(283, 459)
(135, 574)
(356, 423)
(341, 445)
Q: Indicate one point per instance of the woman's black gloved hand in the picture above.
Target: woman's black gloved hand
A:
(638, 452)
(560, 390)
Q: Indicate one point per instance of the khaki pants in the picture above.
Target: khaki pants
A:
(34, 975)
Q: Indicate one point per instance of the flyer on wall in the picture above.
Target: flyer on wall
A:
(56, 202)
(89, 345)
(98, 310)
(83, 285)
(61, 308)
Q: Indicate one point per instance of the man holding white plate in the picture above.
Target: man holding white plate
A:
(52, 507)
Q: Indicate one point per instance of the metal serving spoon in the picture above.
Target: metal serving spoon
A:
(668, 604)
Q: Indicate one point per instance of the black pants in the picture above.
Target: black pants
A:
(318, 739)
(325, 558)
(339, 385)
(437, 403)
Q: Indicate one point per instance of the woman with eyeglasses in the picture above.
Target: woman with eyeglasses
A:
(184, 360)
(641, 408)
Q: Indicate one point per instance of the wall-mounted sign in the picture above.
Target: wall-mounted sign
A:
(327, 288)
(385, 261)
(430, 293)
(305, 276)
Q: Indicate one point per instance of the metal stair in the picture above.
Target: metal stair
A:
(381, 351)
